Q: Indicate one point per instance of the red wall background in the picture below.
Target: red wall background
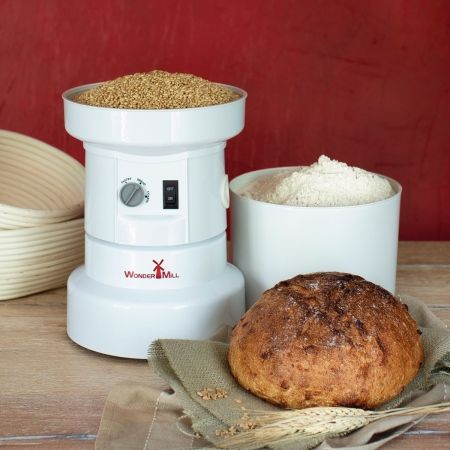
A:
(366, 82)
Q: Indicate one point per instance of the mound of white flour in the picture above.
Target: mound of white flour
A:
(325, 183)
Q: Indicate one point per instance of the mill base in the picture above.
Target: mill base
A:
(123, 322)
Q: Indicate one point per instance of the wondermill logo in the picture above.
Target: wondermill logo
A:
(158, 272)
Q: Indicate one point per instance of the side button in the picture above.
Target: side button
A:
(225, 192)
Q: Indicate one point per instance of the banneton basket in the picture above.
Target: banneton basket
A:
(39, 184)
(39, 258)
(275, 242)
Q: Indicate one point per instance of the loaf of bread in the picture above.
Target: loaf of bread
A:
(326, 339)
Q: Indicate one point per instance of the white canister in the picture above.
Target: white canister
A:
(275, 242)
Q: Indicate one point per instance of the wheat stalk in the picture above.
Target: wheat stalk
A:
(289, 425)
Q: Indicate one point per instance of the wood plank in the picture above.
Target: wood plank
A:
(405, 442)
(427, 252)
(429, 284)
(64, 443)
(49, 384)
(443, 313)
(419, 442)
(413, 440)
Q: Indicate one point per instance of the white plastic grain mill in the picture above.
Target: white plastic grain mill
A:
(155, 221)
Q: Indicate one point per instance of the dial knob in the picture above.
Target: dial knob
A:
(132, 194)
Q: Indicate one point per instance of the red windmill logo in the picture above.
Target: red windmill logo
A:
(158, 269)
(158, 273)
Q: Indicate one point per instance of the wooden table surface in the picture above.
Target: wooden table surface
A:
(52, 391)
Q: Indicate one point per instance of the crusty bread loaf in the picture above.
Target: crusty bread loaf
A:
(326, 339)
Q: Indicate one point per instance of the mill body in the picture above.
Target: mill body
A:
(155, 221)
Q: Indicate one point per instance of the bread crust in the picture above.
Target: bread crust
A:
(326, 339)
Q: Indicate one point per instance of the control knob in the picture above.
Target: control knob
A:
(132, 194)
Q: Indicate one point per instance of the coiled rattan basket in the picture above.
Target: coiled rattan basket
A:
(41, 209)
(39, 184)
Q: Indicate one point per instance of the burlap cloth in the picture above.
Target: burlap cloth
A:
(139, 417)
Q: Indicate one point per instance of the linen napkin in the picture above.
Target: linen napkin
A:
(137, 416)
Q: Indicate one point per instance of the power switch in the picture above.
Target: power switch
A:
(170, 194)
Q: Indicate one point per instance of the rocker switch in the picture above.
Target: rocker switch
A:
(170, 194)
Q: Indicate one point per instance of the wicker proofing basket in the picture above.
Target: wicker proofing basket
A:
(39, 258)
(41, 208)
(39, 184)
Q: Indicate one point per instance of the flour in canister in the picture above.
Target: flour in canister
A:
(325, 183)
